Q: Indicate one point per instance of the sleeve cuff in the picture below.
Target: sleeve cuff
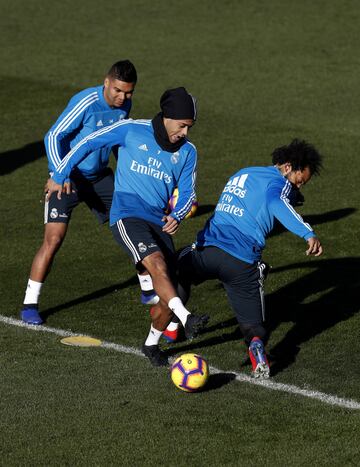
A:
(58, 178)
(309, 235)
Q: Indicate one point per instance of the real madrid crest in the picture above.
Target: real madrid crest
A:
(142, 247)
(175, 157)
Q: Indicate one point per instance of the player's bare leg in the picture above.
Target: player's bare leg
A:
(54, 235)
(160, 317)
(156, 265)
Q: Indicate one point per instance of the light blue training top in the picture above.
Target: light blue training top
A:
(146, 175)
(85, 113)
(244, 216)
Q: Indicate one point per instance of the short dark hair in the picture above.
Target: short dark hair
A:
(300, 155)
(123, 70)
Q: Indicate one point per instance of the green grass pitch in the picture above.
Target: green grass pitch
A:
(263, 73)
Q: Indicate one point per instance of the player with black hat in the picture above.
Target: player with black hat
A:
(154, 157)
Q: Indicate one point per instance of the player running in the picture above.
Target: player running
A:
(230, 246)
(92, 181)
(154, 157)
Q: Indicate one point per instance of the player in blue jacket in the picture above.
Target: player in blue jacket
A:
(154, 157)
(230, 246)
(92, 181)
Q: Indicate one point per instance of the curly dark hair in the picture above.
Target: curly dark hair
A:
(300, 155)
(123, 70)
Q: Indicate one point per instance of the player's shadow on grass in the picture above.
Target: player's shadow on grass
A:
(325, 296)
(314, 303)
(202, 342)
(218, 380)
(16, 158)
(89, 297)
(316, 219)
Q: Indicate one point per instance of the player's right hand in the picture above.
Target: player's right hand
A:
(67, 188)
(314, 247)
(171, 225)
(53, 187)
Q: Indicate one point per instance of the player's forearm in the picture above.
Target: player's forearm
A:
(291, 219)
(186, 187)
(54, 153)
(184, 205)
(71, 160)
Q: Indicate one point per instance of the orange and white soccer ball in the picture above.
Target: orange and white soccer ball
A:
(174, 199)
(190, 372)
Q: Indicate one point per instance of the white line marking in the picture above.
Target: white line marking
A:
(268, 384)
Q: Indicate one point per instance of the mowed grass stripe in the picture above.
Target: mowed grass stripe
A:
(268, 384)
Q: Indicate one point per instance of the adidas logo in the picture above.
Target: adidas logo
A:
(143, 147)
(239, 181)
(100, 123)
(236, 186)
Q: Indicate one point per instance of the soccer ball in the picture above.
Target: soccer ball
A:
(189, 372)
(173, 200)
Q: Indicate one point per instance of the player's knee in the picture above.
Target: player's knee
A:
(155, 264)
(53, 241)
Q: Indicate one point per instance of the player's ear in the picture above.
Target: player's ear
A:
(287, 168)
(106, 82)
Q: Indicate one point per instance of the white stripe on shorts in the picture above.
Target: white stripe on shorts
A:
(46, 210)
(124, 236)
(261, 267)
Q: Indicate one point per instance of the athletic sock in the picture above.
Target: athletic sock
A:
(32, 292)
(172, 326)
(177, 307)
(146, 283)
(153, 337)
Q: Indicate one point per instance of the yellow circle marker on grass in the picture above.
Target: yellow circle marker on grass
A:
(81, 341)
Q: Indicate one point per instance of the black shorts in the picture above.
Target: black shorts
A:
(242, 281)
(97, 194)
(140, 238)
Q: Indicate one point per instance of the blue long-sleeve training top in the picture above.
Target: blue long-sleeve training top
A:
(85, 113)
(246, 210)
(145, 176)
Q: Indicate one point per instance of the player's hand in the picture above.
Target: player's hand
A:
(67, 188)
(171, 225)
(53, 187)
(314, 247)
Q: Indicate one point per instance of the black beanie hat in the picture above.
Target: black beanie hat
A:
(178, 104)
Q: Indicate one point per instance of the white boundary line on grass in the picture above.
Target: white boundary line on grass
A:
(268, 384)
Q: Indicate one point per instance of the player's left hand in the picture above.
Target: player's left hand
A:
(53, 187)
(171, 225)
(314, 247)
